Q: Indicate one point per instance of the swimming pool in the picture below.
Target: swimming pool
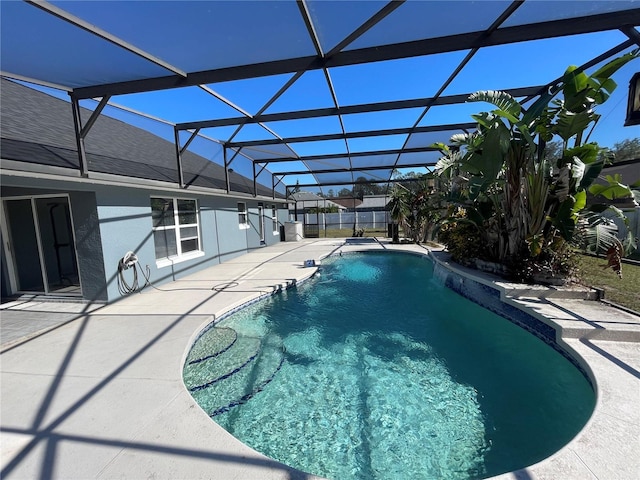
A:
(373, 369)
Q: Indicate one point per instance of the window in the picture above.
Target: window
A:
(243, 220)
(176, 231)
(274, 219)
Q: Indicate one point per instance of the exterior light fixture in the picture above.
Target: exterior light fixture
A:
(633, 106)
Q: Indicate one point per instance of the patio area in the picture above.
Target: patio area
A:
(96, 391)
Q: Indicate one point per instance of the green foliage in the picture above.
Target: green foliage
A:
(593, 272)
(508, 107)
(462, 239)
(628, 149)
(600, 234)
(360, 189)
(523, 203)
(555, 259)
(329, 209)
(416, 208)
(614, 189)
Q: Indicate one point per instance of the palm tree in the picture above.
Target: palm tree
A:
(410, 208)
(398, 208)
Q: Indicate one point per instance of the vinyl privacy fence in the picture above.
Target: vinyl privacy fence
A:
(323, 222)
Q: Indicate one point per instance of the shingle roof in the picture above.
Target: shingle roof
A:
(305, 196)
(374, 201)
(311, 200)
(38, 128)
(347, 202)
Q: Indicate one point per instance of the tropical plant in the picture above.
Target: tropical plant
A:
(362, 187)
(414, 207)
(628, 149)
(461, 237)
(527, 207)
(398, 207)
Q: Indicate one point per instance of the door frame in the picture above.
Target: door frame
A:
(261, 231)
(12, 271)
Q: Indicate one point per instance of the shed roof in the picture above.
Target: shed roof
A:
(374, 201)
(304, 200)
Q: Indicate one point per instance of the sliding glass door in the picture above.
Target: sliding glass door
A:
(39, 241)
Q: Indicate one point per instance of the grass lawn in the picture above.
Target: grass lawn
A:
(624, 291)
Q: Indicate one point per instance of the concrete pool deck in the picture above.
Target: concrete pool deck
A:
(97, 392)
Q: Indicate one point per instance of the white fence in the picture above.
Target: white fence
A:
(380, 220)
(329, 221)
(633, 215)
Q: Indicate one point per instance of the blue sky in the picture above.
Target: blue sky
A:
(496, 68)
(500, 67)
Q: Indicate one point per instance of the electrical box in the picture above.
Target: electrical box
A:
(293, 231)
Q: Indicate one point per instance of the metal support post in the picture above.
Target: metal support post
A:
(82, 131)
(255, 180)
(77, 124)
(226, 169)
(176, 134)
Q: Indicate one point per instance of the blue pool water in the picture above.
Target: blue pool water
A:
(374, 370)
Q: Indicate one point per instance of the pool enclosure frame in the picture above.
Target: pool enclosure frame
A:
(261, 152)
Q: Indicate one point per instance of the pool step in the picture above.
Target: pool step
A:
(231, 373)
(577, 318)
(217, 367)
(211, 343)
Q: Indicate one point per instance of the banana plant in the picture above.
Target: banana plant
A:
(601, 239)
(520, 201)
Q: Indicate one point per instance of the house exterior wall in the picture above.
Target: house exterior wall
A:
(125, 219)
(232, 240)
(85, 225)
(88, 245)
(111, 220)
(252, 235)
(4, 271)
(125, 225)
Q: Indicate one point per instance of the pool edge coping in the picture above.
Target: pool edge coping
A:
(586, 434)
(530, 471)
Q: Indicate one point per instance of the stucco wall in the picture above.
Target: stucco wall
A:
(85, 224)
(111, 220)
(125, 224)
(4, 271)
(124, 217)
(88, 245)
(232, 240)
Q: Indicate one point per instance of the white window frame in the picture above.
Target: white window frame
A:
(243, 224)
(274, 219)
(176, 227)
